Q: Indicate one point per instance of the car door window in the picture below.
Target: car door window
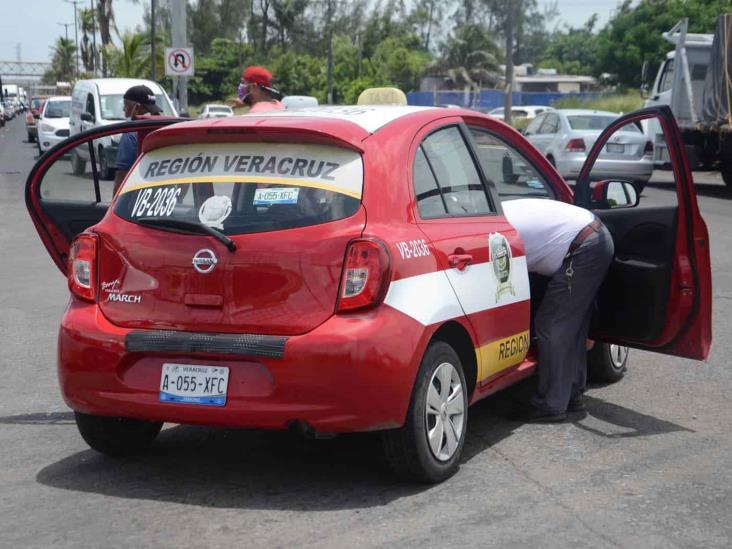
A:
(458, 179)
(550, 125)
(90, 105)
(429, 198)
(508, 170)
(534, 125)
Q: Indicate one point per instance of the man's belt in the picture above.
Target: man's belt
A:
(593, 227)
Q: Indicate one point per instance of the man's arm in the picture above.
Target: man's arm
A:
(126, 155)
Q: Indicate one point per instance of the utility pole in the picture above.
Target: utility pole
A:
(180, 40)
(330, 52)
(152, 36)
(94, 37)
(76, 34)
(66, 28)
(509, 65)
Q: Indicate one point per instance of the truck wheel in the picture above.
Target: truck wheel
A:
(78, 164)
(429, 445)
(116, 436)
(607, 363)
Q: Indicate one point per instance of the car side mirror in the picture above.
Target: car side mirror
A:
(87, 117)
(614, 194)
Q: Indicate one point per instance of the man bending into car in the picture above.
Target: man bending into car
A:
(573, 248)
(138, 100)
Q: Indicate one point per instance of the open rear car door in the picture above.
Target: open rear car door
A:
(658, 292)
(64, 200)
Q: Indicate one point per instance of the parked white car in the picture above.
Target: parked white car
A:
(565, 136)
(216, 111)
(299, 101)
(53, 125)
(525, 111)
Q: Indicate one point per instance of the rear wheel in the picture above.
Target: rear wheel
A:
(117, 436)
(429, 445)
(607, 362)
(78, 164)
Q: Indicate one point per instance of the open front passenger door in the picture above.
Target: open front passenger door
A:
(64, 200)
(658, 292)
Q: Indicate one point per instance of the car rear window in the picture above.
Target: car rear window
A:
(597, 122)
(241, 188)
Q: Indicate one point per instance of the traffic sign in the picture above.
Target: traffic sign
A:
(179, 62)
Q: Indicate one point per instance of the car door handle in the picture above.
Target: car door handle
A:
(459, 261)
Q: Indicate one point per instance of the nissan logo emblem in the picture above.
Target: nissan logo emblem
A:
(204, 261)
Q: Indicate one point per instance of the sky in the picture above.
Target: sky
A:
(35, 24)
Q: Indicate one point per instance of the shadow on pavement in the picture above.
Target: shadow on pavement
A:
(51, 418)
(250, 469)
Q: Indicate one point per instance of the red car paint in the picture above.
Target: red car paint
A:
(348, 371)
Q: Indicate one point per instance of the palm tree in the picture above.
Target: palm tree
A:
(88, 51)
(62, 63)
(469, 59)
(133, 59)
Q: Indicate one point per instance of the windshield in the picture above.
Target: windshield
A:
(240, 188)
(220, 109)
(58, 109)
(36, 103)
(113, 107)
(597, 122)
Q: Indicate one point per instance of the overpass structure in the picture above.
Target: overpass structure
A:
(27, 74)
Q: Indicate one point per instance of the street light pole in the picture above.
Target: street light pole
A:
(66, 29)
(76, 34)
(152, 36)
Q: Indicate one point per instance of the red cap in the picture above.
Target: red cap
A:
(257, 75)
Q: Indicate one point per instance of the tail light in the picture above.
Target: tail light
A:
(365, 275)
(648, 149)
(576, 145)
(82, 271)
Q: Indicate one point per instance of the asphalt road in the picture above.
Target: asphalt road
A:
(649, 466)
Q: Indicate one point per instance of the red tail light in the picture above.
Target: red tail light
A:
(82, 271)
(576, 145)
(365, 275)
(648, 150)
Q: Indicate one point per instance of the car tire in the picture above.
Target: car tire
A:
(640, 184)
(78, 164)
(105, 171)
(410, 451)
(607, 363)
(117, 436)
(31, 138)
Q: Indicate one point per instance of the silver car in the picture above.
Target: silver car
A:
(565, 136)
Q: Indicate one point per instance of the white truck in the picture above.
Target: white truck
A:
(694, 80)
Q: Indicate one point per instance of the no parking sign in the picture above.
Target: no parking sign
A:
(179, 62)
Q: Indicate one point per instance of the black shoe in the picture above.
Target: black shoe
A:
(535, 415)
(577, 404)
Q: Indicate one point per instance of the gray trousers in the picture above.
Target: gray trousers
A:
(563, 321)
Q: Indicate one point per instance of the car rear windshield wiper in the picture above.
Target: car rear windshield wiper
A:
(190, 227)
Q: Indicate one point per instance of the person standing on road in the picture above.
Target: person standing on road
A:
(574, 249)
(138, 100)
(256, 90)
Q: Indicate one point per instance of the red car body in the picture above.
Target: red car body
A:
(272, 311)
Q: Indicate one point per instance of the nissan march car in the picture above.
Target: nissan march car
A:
(339, 269)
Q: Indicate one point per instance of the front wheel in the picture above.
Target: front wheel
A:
(78, 164)
(429, 445)
(117, 436)
(607, 362)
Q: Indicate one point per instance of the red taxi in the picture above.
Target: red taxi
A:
(338, 269)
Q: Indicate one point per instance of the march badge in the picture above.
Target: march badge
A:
(500, 256)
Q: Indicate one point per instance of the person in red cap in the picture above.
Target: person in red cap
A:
(256, 90)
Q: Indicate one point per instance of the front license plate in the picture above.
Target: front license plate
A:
(615, 148)
(191, 384)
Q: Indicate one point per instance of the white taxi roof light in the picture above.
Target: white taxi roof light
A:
(382, 96)
(366, 274)
(83, 266)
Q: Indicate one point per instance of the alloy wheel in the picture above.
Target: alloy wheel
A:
(445, 411)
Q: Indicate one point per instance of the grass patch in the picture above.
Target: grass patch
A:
(621, 103)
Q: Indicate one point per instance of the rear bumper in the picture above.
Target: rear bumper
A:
(352, 373)
(636, 170)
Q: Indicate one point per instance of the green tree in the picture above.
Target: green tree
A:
(574, 51)
(132, 60)
(470, 58)
(62, 62)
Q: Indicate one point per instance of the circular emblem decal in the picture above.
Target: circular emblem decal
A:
(214, 211)
(204, 261)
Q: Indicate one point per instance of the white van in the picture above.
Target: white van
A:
(100, 102)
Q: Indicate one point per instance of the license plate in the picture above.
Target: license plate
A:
(192, 384)
(615, 148)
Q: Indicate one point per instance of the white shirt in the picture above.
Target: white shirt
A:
(547, 228)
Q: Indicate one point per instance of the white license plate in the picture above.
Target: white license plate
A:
(615, 148)
(192, 384)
